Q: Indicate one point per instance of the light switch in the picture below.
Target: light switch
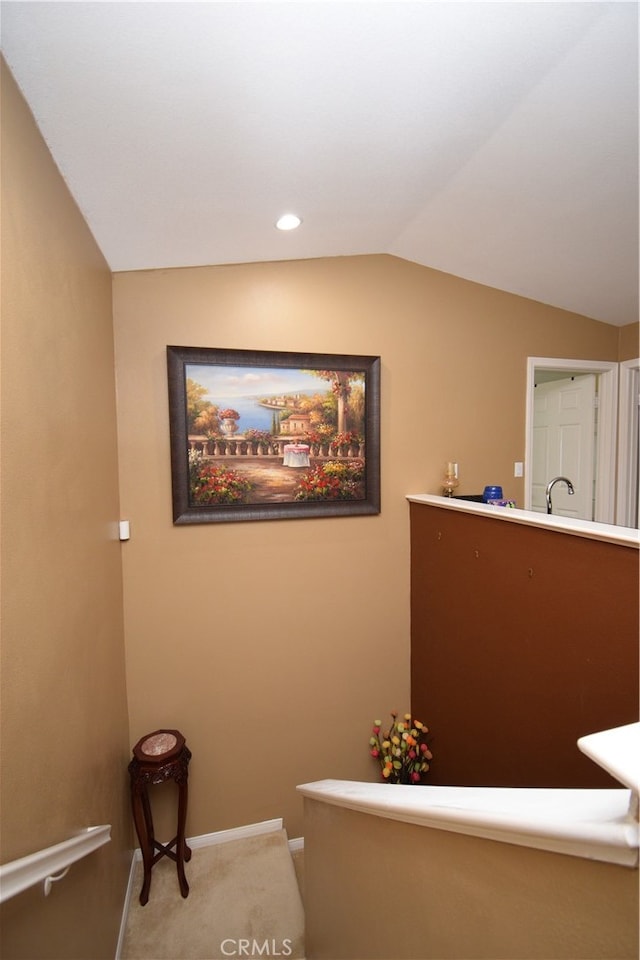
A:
(518, 468)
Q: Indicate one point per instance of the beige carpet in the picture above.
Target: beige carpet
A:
(244, 901)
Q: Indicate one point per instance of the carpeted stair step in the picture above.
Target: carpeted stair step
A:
(244, 901)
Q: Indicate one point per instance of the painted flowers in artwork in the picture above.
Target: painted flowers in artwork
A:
(346, 439)
(403, 751)
(332, 480)
(210, 484)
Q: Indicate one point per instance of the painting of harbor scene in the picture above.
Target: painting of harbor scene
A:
(263, 435)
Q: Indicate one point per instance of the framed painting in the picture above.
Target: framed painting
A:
(262, 435)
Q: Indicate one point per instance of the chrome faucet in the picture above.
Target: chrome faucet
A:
(550, 486)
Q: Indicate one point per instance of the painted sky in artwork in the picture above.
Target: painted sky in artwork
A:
(227, 383)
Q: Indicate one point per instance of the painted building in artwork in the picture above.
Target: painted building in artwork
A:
(297, 423)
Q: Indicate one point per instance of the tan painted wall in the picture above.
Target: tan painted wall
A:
(64, 714)
(272, 691)
(629, 342)
(378, 889)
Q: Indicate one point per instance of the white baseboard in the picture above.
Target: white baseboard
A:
(235, 833)
(127, 900)
(205, 840)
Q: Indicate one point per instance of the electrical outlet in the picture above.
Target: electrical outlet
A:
(518, 468)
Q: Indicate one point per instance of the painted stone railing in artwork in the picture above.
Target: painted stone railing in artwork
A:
(239, 447)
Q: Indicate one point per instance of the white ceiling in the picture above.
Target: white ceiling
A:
(497, 141)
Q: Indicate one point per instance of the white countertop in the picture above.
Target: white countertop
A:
(617, 751)
(608, 532)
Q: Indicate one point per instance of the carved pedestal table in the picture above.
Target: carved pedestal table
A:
(157, 757)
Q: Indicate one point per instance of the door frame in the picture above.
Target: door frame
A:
(605, 447)
(626, 510)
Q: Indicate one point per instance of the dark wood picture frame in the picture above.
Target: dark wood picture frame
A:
(310, 463)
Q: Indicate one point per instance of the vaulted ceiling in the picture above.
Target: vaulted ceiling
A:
(497, 141)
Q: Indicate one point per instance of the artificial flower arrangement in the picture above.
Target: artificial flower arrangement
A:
(402, 752)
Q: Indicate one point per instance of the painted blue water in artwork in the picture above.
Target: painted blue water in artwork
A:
(252, 415)
(238, 387)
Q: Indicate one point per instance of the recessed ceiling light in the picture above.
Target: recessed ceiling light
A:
(288, 221)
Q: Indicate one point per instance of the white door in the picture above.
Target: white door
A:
(564, 444)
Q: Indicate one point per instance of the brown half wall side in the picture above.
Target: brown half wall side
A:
(523, 640)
